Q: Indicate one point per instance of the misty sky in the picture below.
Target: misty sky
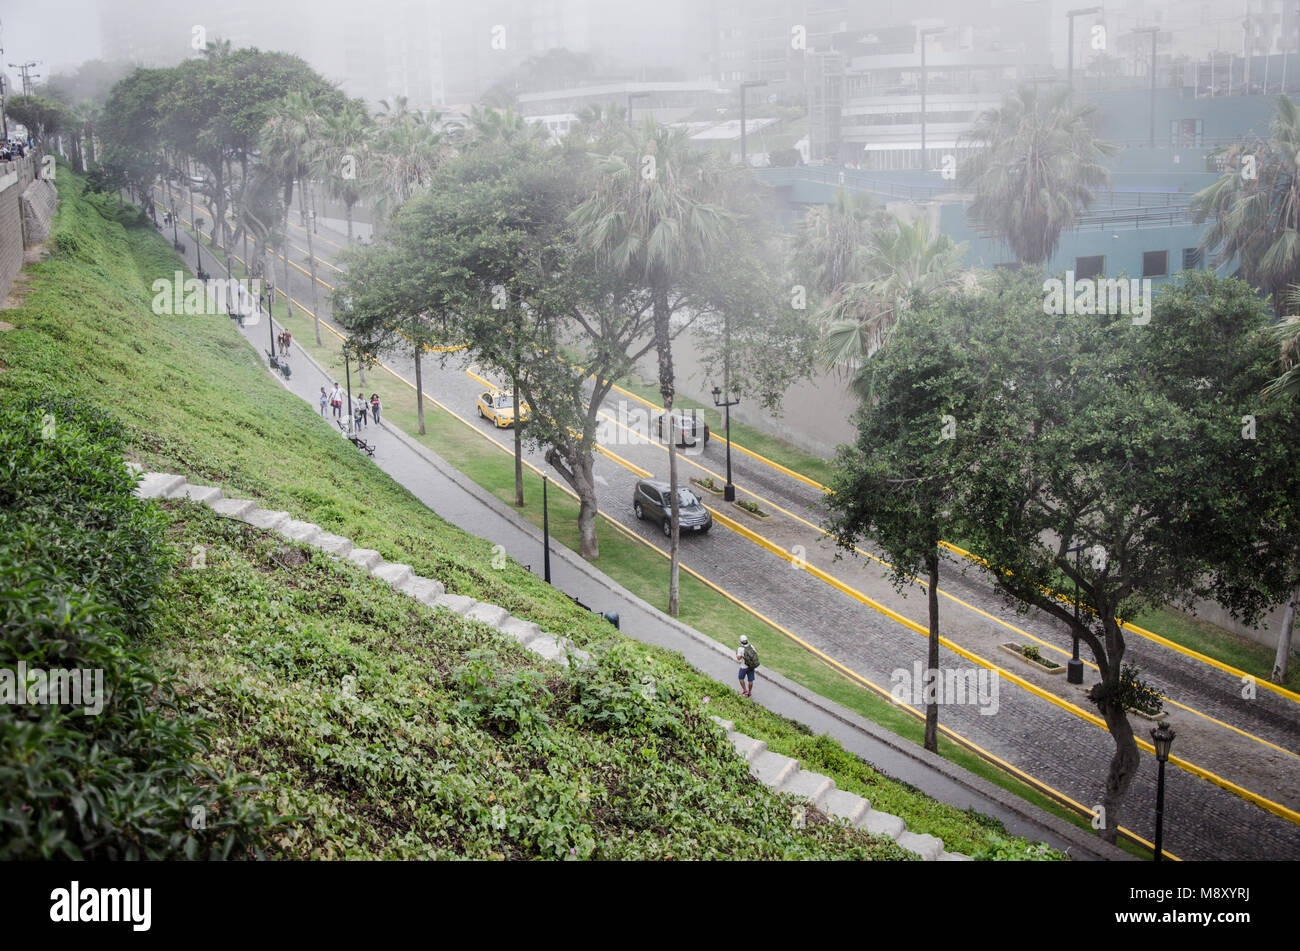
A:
(55, 33)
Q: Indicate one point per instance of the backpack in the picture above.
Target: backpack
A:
(751, 656)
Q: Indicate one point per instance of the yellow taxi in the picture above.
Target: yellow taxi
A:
(500, 409)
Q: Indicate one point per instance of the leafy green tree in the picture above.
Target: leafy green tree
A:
(343, 155)
(900, 483)
(652, 216)
(1254, 207)
(1138, 462)
(43, 117)
(1036, 164)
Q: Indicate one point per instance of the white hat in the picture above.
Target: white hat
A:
(744, 639)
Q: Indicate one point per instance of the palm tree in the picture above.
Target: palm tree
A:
(650, 217)
(289, 144)
(406, 149)
(900, 261)
(1255, 205)
(342, 158)
(1035, 168)
(831, 243)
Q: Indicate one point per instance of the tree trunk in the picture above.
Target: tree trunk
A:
(519, 450)
(588, 545)
(349, 212)
(302, 201)
(315, 300)
(664, 347)
(932, 663)
(1124, 764)
(288, 290)
(1281, 661)
(419, 390)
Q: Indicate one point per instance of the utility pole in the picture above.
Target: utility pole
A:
(25, 69)
(1155, 31)
(1069, 59)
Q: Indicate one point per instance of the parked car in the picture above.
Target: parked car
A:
(652, 500)
(500, 409)
(688, 425)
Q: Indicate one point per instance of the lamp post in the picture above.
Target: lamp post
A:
(1155, 31)
(1069, 57)
(1162, 737)
(747, 84)
(630, 97)
(347, 370)
(928, 31)
(546, 535)
(1074, 667)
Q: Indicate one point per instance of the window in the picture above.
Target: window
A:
(1185, 133)
(1155, 263)
(1093, 265)
(1192, 258)
(650, 494)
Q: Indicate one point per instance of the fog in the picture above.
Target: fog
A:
(446, 52)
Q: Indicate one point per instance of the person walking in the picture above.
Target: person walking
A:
(374, 406)
(359, 413)
(336, 400)
(324, 398)
(748, 658)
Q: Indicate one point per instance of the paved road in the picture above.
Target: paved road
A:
(1051, 744)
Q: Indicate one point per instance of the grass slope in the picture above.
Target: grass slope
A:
(263, 644)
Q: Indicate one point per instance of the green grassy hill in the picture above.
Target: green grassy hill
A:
(371, 725)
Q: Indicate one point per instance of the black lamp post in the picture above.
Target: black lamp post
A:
(747, 84)
(546, 535)
(347, 369)
(1162, 737)
(1074, 667)
(729, 490)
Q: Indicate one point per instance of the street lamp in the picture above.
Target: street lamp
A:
(1162, 738)
(928, 31)
(546, 535)
(1074, 667)
(347, 369)
(729, 491)
(747, 84)
(1069, 59)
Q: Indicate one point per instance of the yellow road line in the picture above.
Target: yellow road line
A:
(959, 601)
(1025, 777)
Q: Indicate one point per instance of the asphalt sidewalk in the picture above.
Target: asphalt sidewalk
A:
(460, 501)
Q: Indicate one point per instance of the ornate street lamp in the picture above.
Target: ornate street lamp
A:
(1162, 738)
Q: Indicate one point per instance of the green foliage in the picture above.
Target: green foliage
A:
(80, 566)
(509, 701)
(1131, 692)
(1031, 652)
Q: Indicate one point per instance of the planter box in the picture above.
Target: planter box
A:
(716, 492)
(1147, 716)
(1011, 649)
(738, 508)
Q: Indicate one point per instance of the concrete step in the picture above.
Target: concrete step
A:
(748, 747)
(927, 846)
(366, 558)
(206, 494)
(489, 614)
(156, 485)
(525, 632)
(844, 805)
(955, 857)
(725, 724)
(422, 589)
(331, 544)
(394, 573)
(265, 518)
(810, 786)
(456, 603)
(772, 769)
(549, 648)
(882, 823)
(304, 532)
(233, 508)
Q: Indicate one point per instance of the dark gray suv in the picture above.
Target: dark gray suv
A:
(652, 500)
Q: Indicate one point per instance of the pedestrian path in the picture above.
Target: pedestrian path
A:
(781, 773)
(460, 501)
